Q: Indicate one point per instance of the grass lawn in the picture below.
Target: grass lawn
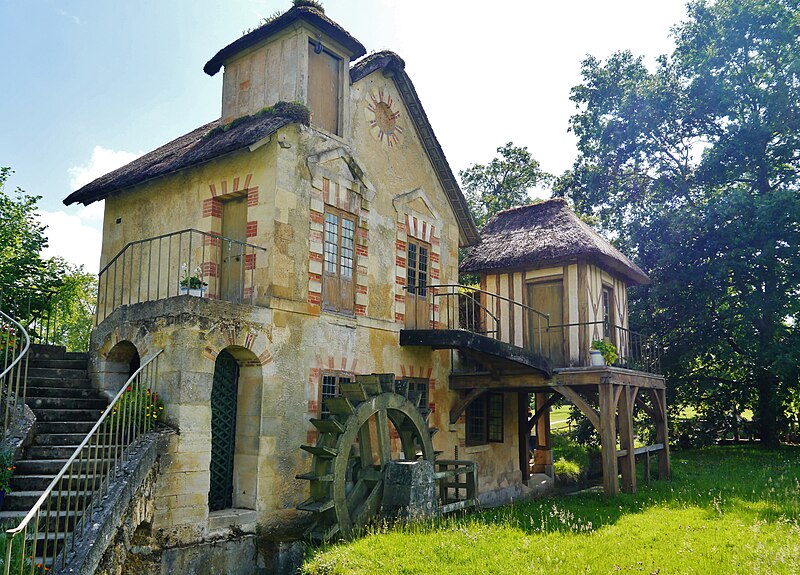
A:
(726, 510)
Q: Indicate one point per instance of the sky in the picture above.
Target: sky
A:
(90, 85)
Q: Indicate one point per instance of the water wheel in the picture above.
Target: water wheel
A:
(353, 446)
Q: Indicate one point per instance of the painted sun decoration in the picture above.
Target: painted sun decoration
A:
(383, 119)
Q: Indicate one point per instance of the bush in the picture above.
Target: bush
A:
(567, 472)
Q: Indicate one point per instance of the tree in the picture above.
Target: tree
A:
(48, 296)
(503, 183)
(695, 168)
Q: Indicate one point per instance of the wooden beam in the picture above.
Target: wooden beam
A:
(628, 462)
(499, 380)
(539, 411)
(608, 440)
(463, 402)
(543, 456)
(523, 402)
(581, 404)
(617, 375)
(662, 432)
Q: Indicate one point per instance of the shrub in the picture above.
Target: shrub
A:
(567, 472)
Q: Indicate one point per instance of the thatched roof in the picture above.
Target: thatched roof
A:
(194, 148)
(541, 235)
(307, 13)
(391, 64)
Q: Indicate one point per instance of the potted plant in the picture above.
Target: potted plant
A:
(606, 351)
(6, 471)
(194, 284)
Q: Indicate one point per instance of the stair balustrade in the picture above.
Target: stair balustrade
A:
(14, 346)
(187, 262)
(47, 535)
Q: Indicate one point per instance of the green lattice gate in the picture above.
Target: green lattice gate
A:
(223, 431)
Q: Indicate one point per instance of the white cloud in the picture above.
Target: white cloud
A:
(76, 237)
(72, 17)
(101, 162)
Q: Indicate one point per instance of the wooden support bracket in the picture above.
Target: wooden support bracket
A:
(464, 402)
(577, 400)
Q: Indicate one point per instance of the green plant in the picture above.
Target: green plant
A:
(607, 349)
(134, 408)
(6, 470)
(567, 472)
(193, 281)
(309, 3)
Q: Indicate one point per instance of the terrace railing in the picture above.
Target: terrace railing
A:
(14, 346)
(48, 533)
(187, 262)
(457, 307)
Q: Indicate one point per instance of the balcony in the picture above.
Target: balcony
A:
(493, 336)
(188, 262)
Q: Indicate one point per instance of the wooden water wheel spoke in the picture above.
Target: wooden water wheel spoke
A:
(352, 451)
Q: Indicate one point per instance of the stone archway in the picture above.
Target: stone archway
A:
(118, 365)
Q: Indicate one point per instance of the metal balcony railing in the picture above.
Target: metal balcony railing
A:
(458, 307)
(47, 535)
(187, 262)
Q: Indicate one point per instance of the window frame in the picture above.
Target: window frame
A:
(482, 408)
(607, 307)
(350, 306)
(339, 378)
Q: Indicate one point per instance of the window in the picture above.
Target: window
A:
(414, 387)
(324, 86)
(417, 306)
(608, 314)
(485, 420)
(330, 388)
(338, 293)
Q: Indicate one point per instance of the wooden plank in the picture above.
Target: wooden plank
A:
(617, 375)
(583, 313)
(500, 381)
(626, 439)
(581, 404)
(608, 440)
(662, 433)
(523, 403)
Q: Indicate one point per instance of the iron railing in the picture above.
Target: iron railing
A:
(40, 312)
(61, 516)
(458, 307)
(14, 346)
(187, 262)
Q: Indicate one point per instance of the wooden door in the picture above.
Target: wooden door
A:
(234, 227)
(548, 297)
(323, 88)
(417, 296)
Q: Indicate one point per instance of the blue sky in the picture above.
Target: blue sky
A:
(89, 84)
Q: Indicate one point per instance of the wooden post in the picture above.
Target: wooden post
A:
(523, 402)
(543, 457)
(608, 439)
(662, 433)
(628, 461)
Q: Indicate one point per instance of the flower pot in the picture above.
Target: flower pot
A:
(596, 358)
(198, 292)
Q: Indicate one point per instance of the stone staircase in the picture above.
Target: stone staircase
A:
(66, 407)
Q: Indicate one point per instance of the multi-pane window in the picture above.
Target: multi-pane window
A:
(415, 388)
(485, 419)
(330, 388)
(338, 292)
(417, 267)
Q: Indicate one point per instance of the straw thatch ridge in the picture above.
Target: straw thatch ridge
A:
(544, 234)
(190, 149)
(307, 13)
(391, 64)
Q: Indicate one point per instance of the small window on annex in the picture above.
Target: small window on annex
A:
(338, 271)
(608, 314)
(485, 420)
(324, 87)
(330, 388)
(416, 388)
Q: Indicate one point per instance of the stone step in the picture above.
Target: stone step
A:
(53, 427)
(53, 415)
(44, 351)
(25, 500)
(46, 466)
(85, 403)
(46, 363)
(64, 518)
(72, 383)
(73, 392)
(44, 439)
(42, 481)
(62, 451)
(59, 373)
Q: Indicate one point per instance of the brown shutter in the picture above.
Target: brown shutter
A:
(323, 88)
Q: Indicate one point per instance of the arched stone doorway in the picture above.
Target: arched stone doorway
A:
(120, 363)
(235, 430)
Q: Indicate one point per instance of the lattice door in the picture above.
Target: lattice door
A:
(223, 431)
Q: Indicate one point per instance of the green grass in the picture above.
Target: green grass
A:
(727, 510)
